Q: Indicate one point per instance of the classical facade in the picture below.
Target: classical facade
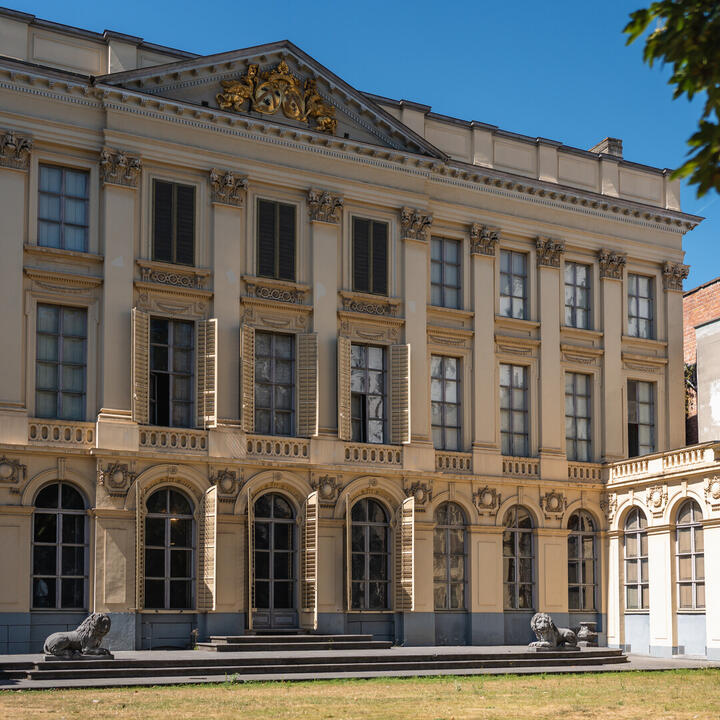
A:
(284, 354)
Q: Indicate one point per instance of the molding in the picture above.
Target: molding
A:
(227, 188)
(414, 224)
(643, 363)
(516, 324)
(548, 252)
(60, 281)
(181, 276)
(581, 334)
(274, 315)
(483, 240)
(15, 151)
(173, 301)
(516, 345)
(324, 206)
(673, 276)
(458, 338)
(282, 291)
(367, 303)
(369, 328)
(580, 354)
(50, 253)
(611, 264)
(119, 168)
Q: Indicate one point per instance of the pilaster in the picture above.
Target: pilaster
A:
(711, 538)
(663, 635)
(551, 570)
(485, 589)
(612, 576)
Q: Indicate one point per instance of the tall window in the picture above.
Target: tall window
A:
(368, 387)
(640, 306)
(171, 372)
(276, 240)
(577, 295)
(61, 357)
(578, 422)
(582, 559)
(370, 556)
(60, 573)
(641, 418)
(513, 284)
(445, 272)
(173, 223)
(370, 256)
(446, 406)
(63, 208)
(690, 557)
(518, 555)
(449, 557)
(274, 383)
(169, 545)
(637, 588)
(514, 410)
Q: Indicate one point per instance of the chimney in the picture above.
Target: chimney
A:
(609, 146)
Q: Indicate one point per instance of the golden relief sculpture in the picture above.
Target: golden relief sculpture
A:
(278, 89)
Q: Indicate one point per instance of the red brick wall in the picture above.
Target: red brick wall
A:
(699, 306)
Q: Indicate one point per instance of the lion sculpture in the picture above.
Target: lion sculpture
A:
(550, 635)
(85, 640)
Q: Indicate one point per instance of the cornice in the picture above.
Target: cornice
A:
(62, 278)
(60, 254)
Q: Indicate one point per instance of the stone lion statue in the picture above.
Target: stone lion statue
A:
(83, 641)
(548, 634)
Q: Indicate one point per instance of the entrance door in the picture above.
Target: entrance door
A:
(275, 563)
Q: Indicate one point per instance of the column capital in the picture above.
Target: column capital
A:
(673, 276)
(15, 151)
(611, 264)
(483, 240)
(414, 224)
(548, 252)
(119, 168)
(227, 188)
(323, 206)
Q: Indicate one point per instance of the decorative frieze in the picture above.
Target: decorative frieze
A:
(157, 273)
(369, 304)
(656, 498)
(116, 478)
(612, 264)
(119, 168)
(227, 188)
(548, 252)
(487, 500)
(15, 151)
(12, 472)
(328, 488)
(277, 290)
(414, 224)
(228, 484)
(553, 504)
(673, 276)
(483, 240)
(324, 206)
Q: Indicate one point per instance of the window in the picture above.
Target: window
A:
(449, 557)
(637, 589)
(641, 418)
(368, 393)
(513, 284)
(640, 306)
(577, 295)
(370, 256)
(370, 556)
(171, 372)
(578, 418)
(581, 562)
(63, 208)
(690, 557)
(518, 559)
(60, 370)
(169, 544)
(276, 240)
(445, 273)
(274, 384)
(445, 397)
(173, 223)
(514, 410)
(60, 573)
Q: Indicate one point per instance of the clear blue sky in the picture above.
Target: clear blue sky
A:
(557, 69)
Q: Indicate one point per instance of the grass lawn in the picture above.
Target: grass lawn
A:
(682, 694)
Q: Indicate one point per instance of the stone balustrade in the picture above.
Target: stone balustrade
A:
(368, 454)
(181, 439)
(59, 432)
(520, 466)
(453, 462)
(585, 471)
(268, 446)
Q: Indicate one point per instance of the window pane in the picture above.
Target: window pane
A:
(44, 560)
(45, 528)
(180, 594)
(44, 593)
(71, 592)
(154, 563)
(73, 560)
(73, 529)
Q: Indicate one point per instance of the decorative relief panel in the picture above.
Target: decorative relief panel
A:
(156, 302)
(612, 264)
(673, 276)
(581, 355)
(15, 151)
(450, 337)
(12, 472)
(483, 240)
(712, 492)
(487, 500)
(369, 304)
(548, 252)
(422, 491)
(553, 504)
(328, 488)
(119, 168)
(609, 504)
(274, 313)
(116, 478)
(158, 273)
(511, 345)
(227, 188)
(382, 330)
(277, 290)
(228, 484)
(414, 224)
(324, 206)
(656, 499)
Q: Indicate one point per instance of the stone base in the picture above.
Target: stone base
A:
(587, 643)
(57, 658)
(561, 648)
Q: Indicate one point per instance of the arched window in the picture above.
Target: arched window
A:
(449, 557)
(169, 544)
(690, 557)
(370, 556)
(582, 560)
(518, 559)
(60, 555)
(637, 588)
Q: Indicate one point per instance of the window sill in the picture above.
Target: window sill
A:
(60, 253)
(636, 612)
(581, 333)
(516, 323)
(646, 342)
(457, 313)
(691, 611)
(150, 611)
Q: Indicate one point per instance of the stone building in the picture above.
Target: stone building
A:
(286, 354)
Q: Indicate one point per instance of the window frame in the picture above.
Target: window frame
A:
(366, 553)
(639, 584)
(580, 559)
(444, 264)
(445, 404)
(694, 528)
(573, 440)
(364, 419)
(510, 409)
(575, 307)
(511, 274)
(516, 531)
(652, 425)
(64, 169)
(633, 294)
(448, 582)
(173, 212)
(272, 384)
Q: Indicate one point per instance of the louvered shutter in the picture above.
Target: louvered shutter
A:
(400, 394)
(140, 366)
(343, 390)
(207, 551)
(348, 555)
(310, 564)
(307, 385)
(248, 379)
(162, 221)
(266, 238)
(286, 242)
(139, 548)
(379, 257)
(361, 255)
(405, 556)
(185, 224)
(251, 559)
(207, 374)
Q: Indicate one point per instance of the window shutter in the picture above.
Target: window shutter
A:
(185, 225)
(248, 379)
(162, 221)
(348, 554)
(343, 394)
(266, 238)
(251, 559)
(286, 242)
(207, 374)
(405, 556)
(139, 548)
(140, 366)
(307, 385)
(310, 564)
(361, 255)
(207, 550)
(379, 257)
(400, 394)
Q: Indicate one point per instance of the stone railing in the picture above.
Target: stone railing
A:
(584, 471)
(59, 432)
(521, 466)
(687, 456)
(630, 468)
(182, 439)
(267, 446)
(453, 462)
(363, 453)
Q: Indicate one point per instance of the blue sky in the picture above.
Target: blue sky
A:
(557, 69)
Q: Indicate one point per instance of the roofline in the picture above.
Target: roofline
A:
(701, 287)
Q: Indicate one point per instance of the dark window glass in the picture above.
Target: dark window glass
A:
(637, 584)
(368, 393)
(518, 560)
(582, 576)
(449, 557)
(577, 295)
(370, 256)
(173, 223)
(578, 417)
(641, 306)
(276, 240)
(274, 384)
(446, 407)
(445, 272)
(513, 284)
(641, 418)
(369, 556)
(514, 410)
(690, 553)
(63, 208)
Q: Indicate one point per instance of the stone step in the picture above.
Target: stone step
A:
(298, 646)
(284, 639)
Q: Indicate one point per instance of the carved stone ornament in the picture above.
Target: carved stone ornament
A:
(421, 491)
(656, 499)
(324, 206)
(177, 278)
(673, 276)
(15, 151)
(81, 643)
(278, 90)
(328, 488)
(483, 240)
(226, 188)
(611, 264)
(116, 479)
(487, 500)
(12, 472)
(712, 492)
(609, 505)
(268, 290)
(549, 252)
(355, 303)
(228, 484)
(119, 168)
(414, 224)
(553, 504)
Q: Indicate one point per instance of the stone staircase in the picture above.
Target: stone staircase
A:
(295, 643)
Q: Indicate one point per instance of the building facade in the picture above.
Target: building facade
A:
(285, 354)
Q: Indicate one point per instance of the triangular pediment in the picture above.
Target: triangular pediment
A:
(276, 83)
